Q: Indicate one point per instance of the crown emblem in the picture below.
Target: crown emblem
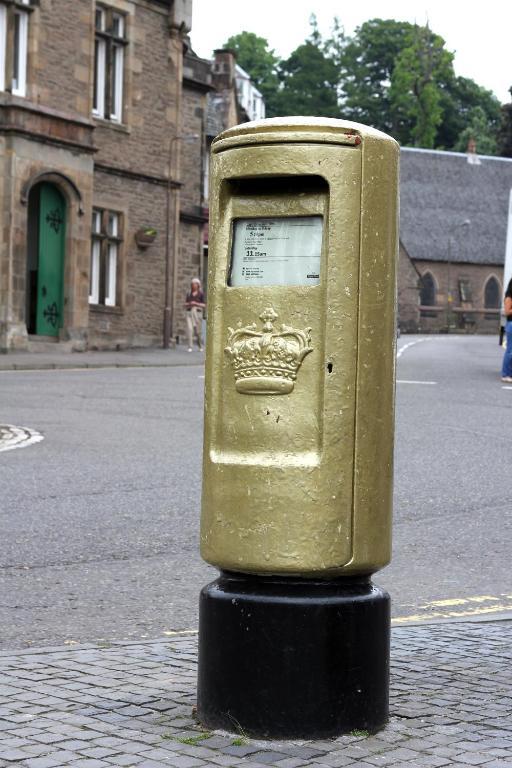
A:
(266, 362)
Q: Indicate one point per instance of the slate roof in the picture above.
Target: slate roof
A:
(217, 109)
(439, 191)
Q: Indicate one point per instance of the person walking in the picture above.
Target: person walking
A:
(194, 304)
(506, 369)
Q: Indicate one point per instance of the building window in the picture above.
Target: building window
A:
(428, 296)
(492, 297)
(465, 290)
(492, 294)
(105, 245)
(427, 290)
(14, 45)
(109, 44)
(206, 172)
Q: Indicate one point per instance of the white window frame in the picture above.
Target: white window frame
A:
(94, 289)
(111, 259)
(117, 82)
(206, 177)
(19, 85)
(105, 248)
(94, 295)
(109, 63)
(111, 275)
(3, 44)
(14, 29)
(100, 54)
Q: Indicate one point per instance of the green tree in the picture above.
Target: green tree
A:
(366, 62)
(505, 130)
(399, 77)
(390, 74)
(415, 90)
(309, 81)
(477, 128)
(459, 97)
(309, 78)
(260, 62)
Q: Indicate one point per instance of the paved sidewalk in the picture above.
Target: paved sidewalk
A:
(132, 705)
(126, 358)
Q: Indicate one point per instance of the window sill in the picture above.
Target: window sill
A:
(121, 127)
(428, 313)
(103, 309)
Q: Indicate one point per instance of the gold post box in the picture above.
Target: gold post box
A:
(298, 444)
(298, 448)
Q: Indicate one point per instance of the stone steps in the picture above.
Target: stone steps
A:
(48, 344)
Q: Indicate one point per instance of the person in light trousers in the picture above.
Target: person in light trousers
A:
(195, 304)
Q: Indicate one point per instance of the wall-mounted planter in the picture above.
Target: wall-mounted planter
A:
(145, 237)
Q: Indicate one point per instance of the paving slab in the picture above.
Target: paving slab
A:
(450, 705)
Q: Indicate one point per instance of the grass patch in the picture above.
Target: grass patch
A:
(360, 734)
(194, 740)
(240, 742)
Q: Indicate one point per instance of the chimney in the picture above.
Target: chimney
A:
(223, 69)
(473, 158)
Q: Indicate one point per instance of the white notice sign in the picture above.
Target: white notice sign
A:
(280, 251)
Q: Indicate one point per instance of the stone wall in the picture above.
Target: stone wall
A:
(461, 316)
(25, 162)
(61, 48)
(191, 167)
(138, 316)
(152, 89)
(132, 167)
(408, 293)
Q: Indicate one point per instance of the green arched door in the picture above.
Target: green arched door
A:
(50, 268)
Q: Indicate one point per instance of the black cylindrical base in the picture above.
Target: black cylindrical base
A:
(293, 658)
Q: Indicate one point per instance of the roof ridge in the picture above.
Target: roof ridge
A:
(444, 152)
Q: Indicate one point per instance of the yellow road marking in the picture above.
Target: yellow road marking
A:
(463, 600)
(471, 606)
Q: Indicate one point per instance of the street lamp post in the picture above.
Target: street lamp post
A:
(449, 297)
(171, 250)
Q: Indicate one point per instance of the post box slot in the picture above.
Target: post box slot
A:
(270, 186)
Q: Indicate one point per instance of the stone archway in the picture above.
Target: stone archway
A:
(66, 185)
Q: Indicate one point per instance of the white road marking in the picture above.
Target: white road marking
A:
(410, 344)
(506, 387)
(12, 437)
(405, 381)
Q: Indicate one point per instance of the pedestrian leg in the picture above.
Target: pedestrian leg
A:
(190, 330)
(506, 370)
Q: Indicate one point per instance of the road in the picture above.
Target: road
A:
(99, 520)
(453, 505)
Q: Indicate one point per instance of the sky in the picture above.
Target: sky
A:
(477, 33)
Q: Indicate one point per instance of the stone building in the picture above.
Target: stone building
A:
(453, 228)
(100, 234)
(233, 99)
(194, 167)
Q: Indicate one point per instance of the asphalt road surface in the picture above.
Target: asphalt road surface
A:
(99, 520)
